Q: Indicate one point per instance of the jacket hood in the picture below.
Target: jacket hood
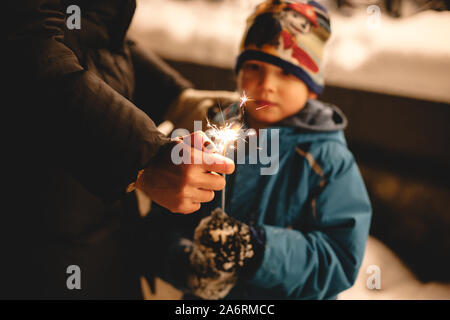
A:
(317, 116)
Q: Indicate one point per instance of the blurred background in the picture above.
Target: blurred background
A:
(388, 68)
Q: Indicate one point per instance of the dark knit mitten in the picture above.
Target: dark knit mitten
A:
(223, 248)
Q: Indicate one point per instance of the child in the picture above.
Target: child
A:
(301, 232)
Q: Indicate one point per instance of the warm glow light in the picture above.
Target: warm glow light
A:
(225, 136)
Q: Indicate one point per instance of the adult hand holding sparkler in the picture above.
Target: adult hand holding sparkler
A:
(182, 188)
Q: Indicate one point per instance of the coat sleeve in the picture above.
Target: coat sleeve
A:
(90, 129)
(152, 72)
(324, 261)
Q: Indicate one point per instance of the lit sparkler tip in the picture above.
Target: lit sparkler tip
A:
(243, 99)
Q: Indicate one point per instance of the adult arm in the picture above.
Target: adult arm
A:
(92, 131)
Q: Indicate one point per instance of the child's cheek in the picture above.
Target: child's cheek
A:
(240, 81)
(246, 83)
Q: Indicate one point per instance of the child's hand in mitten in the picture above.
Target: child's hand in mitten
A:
(223, 246)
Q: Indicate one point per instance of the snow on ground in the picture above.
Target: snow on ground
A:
(396, 281)
(407, 57)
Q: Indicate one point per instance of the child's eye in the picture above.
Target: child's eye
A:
(251, 67)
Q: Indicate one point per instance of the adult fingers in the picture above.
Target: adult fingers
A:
(210, 181)
(200, 141)
(217, 163)
(187, 208)
(203, 196)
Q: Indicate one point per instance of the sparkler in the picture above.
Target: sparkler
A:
(244, 98)
(227, 134)
(223, 136)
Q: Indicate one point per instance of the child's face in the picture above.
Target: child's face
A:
(275, 94)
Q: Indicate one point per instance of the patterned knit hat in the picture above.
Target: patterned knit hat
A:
(288, 34)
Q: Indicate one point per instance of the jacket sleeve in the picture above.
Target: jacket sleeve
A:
(324, 261)
(94, 132)
(152, 72)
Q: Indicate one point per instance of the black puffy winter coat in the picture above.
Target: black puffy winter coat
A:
(78, 107)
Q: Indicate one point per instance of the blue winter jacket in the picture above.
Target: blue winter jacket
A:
(315, 210)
